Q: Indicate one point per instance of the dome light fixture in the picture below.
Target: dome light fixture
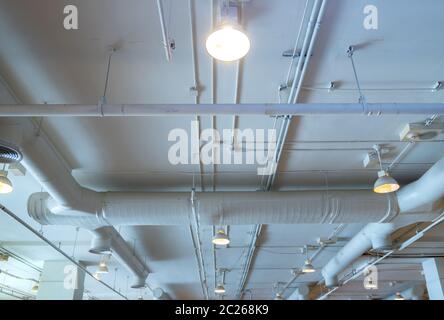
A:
(35, 288)
(103, 268)
(221, 238)
(5, 183)
(220, 289)
(308, 267)
(399, 296)
(228, 42)
(385, 183)
(278, 296)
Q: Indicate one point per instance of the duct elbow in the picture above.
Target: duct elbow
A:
(426, 190)
(330, 281)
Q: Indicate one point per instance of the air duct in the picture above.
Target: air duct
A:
(65, 198)
(423, 195)
(228, 208)
(428, 189)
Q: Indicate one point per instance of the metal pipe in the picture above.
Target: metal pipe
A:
(198, 245)
(249, 259)
(166, 41)
(137, 110)
(307, 49)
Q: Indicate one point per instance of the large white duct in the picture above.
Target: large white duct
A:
(427, 189)
(66, 198)
(228, 208)
(374, 235)
(423, 195)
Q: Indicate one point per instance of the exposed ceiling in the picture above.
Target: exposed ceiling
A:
(44, 63)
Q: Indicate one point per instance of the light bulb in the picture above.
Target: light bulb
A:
(5, 183)
(228, 43)
(221, 238)
(220, 289)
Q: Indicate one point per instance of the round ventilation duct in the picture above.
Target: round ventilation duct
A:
(9, 153)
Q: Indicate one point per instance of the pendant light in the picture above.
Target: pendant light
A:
(221, 238)
(385, 183)
(5, 183)
(228, 42)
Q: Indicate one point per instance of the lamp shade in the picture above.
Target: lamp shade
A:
(385, 183)
(221, 238)
(5, 183)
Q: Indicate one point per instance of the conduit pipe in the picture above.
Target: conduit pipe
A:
(137, 110)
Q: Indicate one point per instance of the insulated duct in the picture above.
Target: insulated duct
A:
(66, 198)
(424, 195)
(228, 208)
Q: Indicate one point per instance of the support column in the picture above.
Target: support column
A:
(434, 275)
(61, 280)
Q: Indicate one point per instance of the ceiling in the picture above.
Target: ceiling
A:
(42, 62)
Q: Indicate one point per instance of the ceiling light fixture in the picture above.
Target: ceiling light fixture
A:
(278, 297)
(103, 268)
(220, 289)
(308, 267)
(5, 183)
(221, 238)
(399, 296)
(228, 42)
(385, 183)
(35, 288)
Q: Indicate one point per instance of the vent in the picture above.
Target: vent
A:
(9, 153)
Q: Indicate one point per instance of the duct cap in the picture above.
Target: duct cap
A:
(9, 153)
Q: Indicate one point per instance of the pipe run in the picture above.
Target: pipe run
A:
(137, 110)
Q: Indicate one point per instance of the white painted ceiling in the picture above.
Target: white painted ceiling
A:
(43, 63)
